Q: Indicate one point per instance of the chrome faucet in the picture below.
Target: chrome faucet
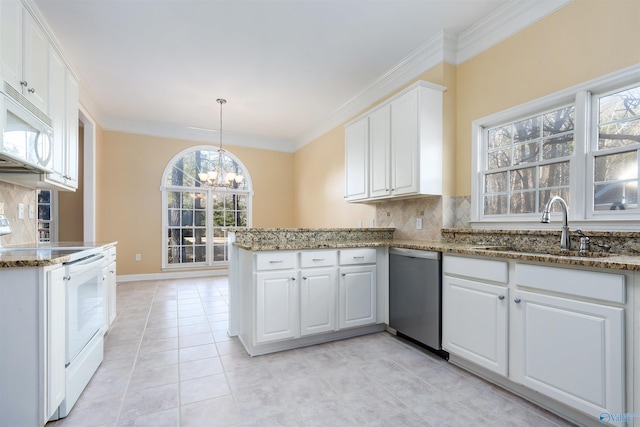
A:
(546, 217)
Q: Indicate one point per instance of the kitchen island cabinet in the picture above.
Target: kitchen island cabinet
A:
(289, 299)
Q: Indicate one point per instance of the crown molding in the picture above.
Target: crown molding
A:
(448, 47)
(427, 56)
(506, 21)
(209, 136)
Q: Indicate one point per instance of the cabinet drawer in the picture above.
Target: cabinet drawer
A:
(275, 260)
(589, 284)
(318, 258)
(357, 256)
(482, 269)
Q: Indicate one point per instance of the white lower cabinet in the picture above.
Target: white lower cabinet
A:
(557, 331)
(357, 296)
(276, 308)
(288, 299)
(56, 339)
(572, 351)
(318, 300)
(475, 322)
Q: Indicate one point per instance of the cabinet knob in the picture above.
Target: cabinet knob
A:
(304, 277)
(67, 277)
(24, 83)
(31, 90)
(517, 300)
(293, 279)
(344, 274)
(500, 297)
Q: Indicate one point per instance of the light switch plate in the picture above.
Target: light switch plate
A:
(1, 208)
(20, 210)
(31, 213)
(418, 223)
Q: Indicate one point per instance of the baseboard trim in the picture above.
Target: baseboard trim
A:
(171, 275)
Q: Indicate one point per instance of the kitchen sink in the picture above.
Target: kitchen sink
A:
(542, 251)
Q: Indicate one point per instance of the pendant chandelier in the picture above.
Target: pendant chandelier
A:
(219, 176)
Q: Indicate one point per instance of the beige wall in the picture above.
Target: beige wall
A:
(583, 40)
(129, 174)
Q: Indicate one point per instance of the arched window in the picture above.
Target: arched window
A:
(204, 191)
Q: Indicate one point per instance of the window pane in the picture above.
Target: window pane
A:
(200, 254)
(44, 196)
(619, 134)
(496, 205)
(525, 153)
(496, 182)
(558, 121)
(173, 255)
(219, 253)
(200, 218)
(616, 167)
(187, 218)
(187, 254)
(242, 219)
(523, 202)
(619, 106)
(527, 129)
(499, 137)
(44, 212)
(523, 179)
(173, 199)
(187, 200)
(616, 196)
(554, 175)
(557, 147)
(499, 159)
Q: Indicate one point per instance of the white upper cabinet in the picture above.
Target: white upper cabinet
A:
(404, 148)
(25, 54)
(356, 154)
(380, 152)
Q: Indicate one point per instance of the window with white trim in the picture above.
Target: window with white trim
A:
(582, 144)
(195, 215)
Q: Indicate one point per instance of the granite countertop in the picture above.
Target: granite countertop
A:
(45, 254)
(610, 261)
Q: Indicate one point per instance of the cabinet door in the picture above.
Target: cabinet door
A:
(111, 285)
(36, 60)
(571, 351)
(356, 144)
(11, 39)
(276, 306)
(57, 112)
(357, 296)
(318, 301)
(475, 323)
(404, 145)
(56, 340)
(380, 152)
(71, 103)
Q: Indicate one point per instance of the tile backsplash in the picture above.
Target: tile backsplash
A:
(23, 231)
(436, 213)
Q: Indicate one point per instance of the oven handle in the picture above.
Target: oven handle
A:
(83, 265)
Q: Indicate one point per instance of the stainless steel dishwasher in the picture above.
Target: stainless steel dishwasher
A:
(415, 296)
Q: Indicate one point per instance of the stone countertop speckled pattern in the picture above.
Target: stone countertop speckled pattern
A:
(45, 254)
(612, 261)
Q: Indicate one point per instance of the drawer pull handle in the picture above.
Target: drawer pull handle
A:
(318, 259)
(500, 297)
(276, 262)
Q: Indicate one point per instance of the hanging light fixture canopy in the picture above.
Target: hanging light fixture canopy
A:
(219, 176)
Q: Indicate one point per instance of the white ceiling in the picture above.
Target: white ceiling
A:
(284, 66)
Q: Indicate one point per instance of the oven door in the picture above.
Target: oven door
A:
(85, 303)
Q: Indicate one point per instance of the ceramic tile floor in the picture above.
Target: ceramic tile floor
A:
(169, 362)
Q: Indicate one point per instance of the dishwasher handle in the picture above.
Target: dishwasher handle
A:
(414, 253)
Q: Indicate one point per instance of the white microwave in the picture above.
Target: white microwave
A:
(27, 141)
